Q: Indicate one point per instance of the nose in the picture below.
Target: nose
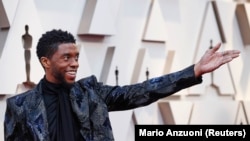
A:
(74, 63)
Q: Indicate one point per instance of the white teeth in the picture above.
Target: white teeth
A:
(72, 72)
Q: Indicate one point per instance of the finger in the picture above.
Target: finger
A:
(231, 53)
(236, 51)
(234, 55)
(230, 57)
(216, 47)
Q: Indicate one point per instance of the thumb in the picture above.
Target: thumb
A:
(216, 47)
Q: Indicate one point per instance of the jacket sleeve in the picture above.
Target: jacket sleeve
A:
(13, 130)
(141, 94)
(9, 122)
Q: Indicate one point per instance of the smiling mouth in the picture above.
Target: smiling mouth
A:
(71, 73)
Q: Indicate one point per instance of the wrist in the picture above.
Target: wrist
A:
(197, 71)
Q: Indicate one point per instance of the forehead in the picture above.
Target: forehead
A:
(66, 48)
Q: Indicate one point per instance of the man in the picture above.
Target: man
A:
(62, 109)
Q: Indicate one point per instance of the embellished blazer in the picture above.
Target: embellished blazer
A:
(26, 119)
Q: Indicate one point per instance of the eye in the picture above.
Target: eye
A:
(77, 57)
(66, 57)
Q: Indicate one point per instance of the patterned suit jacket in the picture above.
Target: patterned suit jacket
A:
(26, 119)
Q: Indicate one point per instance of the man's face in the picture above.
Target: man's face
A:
(63, 64)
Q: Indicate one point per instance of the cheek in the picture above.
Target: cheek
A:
(59, 65)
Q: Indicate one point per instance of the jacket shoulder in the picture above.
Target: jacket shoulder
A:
(88, 81)
(18, 99)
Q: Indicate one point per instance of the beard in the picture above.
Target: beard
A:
(60, 77)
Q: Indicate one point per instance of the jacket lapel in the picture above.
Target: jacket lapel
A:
(79, 101)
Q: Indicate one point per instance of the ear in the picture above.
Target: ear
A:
(45, 62)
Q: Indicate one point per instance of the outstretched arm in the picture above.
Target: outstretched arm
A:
(212, 59)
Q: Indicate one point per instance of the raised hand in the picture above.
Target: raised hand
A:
(212, 59)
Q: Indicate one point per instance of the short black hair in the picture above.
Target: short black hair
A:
(49, 42)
